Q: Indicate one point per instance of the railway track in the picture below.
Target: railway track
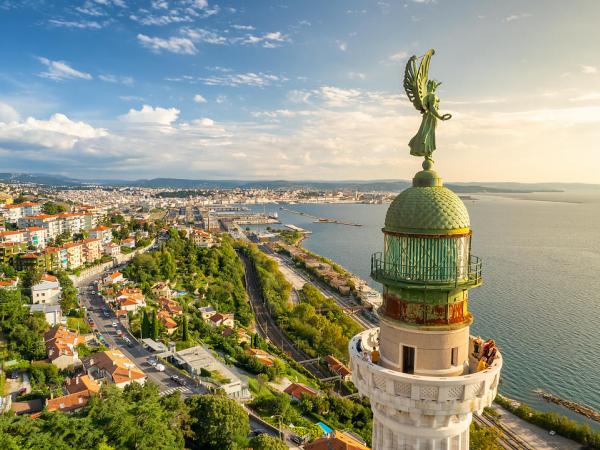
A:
(507, 439)
(344, 303)
(267, 327)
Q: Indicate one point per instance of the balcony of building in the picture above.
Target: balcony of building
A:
(460, 394)
(427, 275)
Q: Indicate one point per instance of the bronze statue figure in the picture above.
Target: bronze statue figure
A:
(421, 92)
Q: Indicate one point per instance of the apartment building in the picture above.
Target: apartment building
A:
(103, 233)
(47, 291)
(12, 213)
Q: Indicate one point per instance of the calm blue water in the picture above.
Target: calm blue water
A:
(540, 298)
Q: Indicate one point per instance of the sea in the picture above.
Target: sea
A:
(540, 299)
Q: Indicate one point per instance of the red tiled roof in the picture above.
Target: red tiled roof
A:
(69, 402)
(296, 390)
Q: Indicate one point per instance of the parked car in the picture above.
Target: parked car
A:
(14, 374)
(115, 324)
(22, 391)
(152, 362)
(175, 378)
(160, 367)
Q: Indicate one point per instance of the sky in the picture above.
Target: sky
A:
(305, 90)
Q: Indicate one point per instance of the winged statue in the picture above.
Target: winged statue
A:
(421, 92)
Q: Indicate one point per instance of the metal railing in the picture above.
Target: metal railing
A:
(467, 273)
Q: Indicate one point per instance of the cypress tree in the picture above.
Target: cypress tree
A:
(185, 335)
(154, 326)
(145, 326)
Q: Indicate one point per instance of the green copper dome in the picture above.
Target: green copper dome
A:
(427, 208)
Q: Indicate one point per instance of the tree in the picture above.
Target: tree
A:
(266, 442)
(145, 326)
(53, 208)
(184, 327)
(154, 331)
(217, 423)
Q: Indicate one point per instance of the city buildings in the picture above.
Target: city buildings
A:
(198, 361)
(112, 367)
(46, 291)
(61, 347)
(423, 373)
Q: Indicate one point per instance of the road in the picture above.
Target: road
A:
(326, 290)
(94, 304)
(139, 355)
(267, 326)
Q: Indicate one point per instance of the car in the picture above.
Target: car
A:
(22, 391)
(297, 439)
(106, 314)
(160, 367)
(152, 362)
(115, 324)
(130, 344)
(175, 378)
(14, 374)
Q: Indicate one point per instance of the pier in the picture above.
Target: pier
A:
(585, 411)
(321, 219)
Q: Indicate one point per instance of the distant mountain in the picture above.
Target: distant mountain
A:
(354, 185)
(38, 178)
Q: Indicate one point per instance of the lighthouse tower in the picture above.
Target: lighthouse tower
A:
(422, 371)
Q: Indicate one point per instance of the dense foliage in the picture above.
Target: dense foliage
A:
(341, 413)
(53, 208)
(266, 442)
(317, 324)
(217, 423)
(215, 272)
(21, 330)
(68, 300)
(135, 418)
(483, 438)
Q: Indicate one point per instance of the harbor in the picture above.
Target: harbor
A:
(321, 219)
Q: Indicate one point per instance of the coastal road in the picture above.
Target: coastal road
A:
(327, 291)
(267, 326)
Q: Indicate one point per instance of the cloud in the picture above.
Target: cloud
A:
(82, 24)
(58, 132)
(243, 27)
(149, 115)
(399, 56)
(356, 75)
(589, 70)
(182, 46)
(109, 78)
(205, 122)
(203, 35)
(199, 99)
(257, 79)
(271, 39)
(514, 17)
(342, 45)
(59, 70)
(595, 95)
(8, 113)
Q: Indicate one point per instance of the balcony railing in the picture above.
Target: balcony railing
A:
(442, 275)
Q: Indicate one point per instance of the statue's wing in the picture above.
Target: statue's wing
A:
(411, 85)
(415, 82)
